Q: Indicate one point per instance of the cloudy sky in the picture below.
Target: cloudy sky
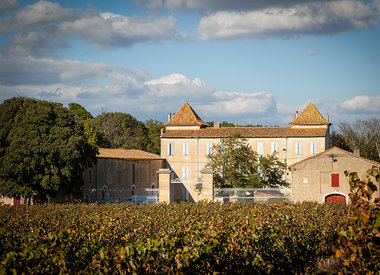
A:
(245, 61)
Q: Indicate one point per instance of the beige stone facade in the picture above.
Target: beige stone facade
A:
(321, 178)
(187, 140)
(119, 174)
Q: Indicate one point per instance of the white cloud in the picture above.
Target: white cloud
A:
(240, 103)
(217, 5)
(359, 105)
(44, 25)
(118, 30)
(312, 52)
(312, 18)
(8, 5)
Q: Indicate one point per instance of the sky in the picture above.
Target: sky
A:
(243, 61)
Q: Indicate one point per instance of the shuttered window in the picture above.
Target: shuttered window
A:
(334, 180)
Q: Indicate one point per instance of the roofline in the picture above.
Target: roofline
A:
(103, 157)
(348, 152)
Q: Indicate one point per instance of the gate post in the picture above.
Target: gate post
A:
(207, 176)
(164, 185)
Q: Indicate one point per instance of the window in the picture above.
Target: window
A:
(305, 180)
(185, 172)
(260, 148)
(260, 172)
(313, 147)
(133, 174)
(104, 193)
(209, 148)
(185, 148)
(170, 149)
(274, 147)
(133, 190)
(185, 194)
(298, 148)
(334, 180)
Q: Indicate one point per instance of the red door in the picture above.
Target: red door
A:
(335, 198)
(16, 201)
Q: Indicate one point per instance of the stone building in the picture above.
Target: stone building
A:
(187, 141)
(321, 177)
(120, 173)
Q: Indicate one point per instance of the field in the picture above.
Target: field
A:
(175, 238)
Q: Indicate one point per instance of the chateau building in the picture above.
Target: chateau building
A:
(187, 140)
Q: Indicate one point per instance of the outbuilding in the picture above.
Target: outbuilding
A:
(321, 178)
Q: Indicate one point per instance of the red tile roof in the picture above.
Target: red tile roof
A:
(118, 153)
(310, 116)
(186, 116)
(247, 132)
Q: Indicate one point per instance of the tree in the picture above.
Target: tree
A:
(235, 164)
(154, 132)
(363, 135)
(42, 149)
(337, 140)
(122, 130)
(79, 111)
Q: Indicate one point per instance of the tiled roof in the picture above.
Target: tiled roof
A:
(186, 116)
(310, 116)
(334, 149)
(247, 132)
(125, 154)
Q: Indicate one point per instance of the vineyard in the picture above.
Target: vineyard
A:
(161, 238)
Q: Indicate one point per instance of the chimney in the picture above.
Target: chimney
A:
(169, 117)
(327, 117)
(296, 114)
(216, 124)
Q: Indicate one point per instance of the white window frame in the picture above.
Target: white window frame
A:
(298, 148)
(313, 148)
(260, 147)
(170, 149)
(185, 194)
(185, 172)
(274, 147)
(185, 148)
(210, 147)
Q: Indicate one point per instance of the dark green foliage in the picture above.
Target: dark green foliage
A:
(337, 140)
(235, 164)
(43, 148)
(176, 239)
(154, 132)
(359, 244)
(122, 130)
(79, 111)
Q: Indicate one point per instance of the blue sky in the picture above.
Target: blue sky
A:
(241, 61)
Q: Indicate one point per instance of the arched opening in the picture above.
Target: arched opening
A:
(153, 187)
(133, 190)
(104, 193)
(335, 198)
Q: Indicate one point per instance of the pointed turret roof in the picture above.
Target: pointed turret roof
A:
(186, 116)
(310, 116)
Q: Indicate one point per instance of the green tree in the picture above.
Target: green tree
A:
(42, 149)
(154, 132)
(122, 130)
(79, 111)
(337, 140)
(235, 164)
